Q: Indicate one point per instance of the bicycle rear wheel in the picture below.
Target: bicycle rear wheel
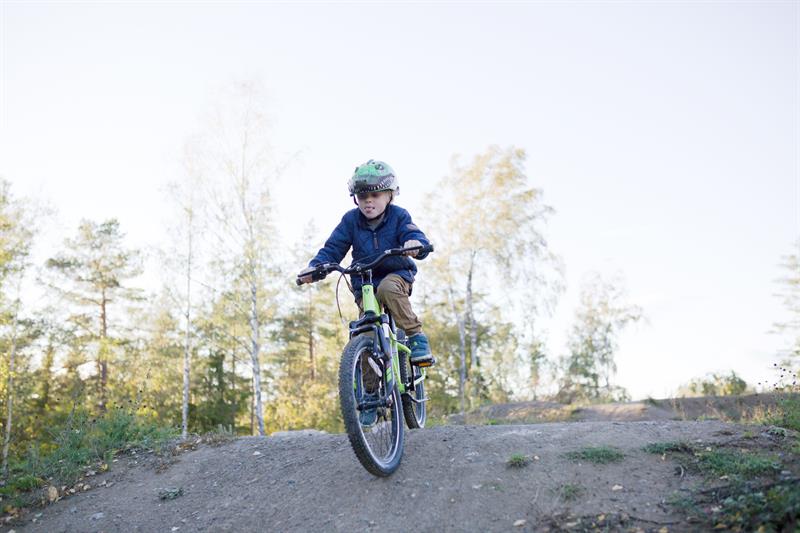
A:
(378, 444)
(414, 400)
(414, 404)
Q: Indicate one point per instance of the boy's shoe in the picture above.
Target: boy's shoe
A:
(420, 349)
(368, 417)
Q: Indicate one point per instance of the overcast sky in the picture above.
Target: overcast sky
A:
(664, 134)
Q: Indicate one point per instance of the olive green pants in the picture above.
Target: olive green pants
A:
(393, 293)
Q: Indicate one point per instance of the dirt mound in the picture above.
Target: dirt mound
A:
(453, 478)
(727, 408)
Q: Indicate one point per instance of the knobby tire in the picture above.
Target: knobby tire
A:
(380, 456)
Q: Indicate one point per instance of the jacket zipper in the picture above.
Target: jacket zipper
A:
(375, 240)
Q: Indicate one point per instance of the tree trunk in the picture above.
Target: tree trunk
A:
(103, 352)
(462, 375)
(473, 332)
(462, 348)
(187, 340)
(47, 377)
(256, 349)
(10, 392)
(311, 355)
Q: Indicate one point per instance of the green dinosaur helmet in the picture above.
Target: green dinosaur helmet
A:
(373, 176)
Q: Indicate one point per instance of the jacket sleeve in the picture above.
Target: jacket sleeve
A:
(335, 247)
(408, 231)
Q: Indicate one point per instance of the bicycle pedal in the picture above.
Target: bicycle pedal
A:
(425, 364)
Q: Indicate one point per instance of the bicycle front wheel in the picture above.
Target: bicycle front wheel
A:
(372, 415)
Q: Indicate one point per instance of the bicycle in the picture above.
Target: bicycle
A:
(377, 351)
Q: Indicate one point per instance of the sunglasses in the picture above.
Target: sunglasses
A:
(365, 195)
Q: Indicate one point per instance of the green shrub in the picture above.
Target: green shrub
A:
(774, 509)
(82, 442)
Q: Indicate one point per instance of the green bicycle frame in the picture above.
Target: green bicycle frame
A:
(370, 303)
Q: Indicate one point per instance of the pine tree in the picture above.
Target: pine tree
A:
(93, 270)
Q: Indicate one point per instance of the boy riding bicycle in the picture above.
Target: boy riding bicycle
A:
(374, 226)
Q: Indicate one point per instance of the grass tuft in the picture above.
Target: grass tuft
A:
(736, 464)
(518, 461)
(597, 455)
(663, 447)
(570, 492)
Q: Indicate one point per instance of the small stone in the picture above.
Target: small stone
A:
(520, 523)
(98, 516)
(616, 488)
(256, 453)
(86, 486)
(476, 487)
(52, 494)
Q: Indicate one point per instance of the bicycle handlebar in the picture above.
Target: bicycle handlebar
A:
(326, 268)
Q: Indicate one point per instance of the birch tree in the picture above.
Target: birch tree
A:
(187, 255)
(789, 294)
(589, 366)
(488, 221)
(242, 165)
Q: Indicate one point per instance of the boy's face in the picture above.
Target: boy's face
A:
(373, 204)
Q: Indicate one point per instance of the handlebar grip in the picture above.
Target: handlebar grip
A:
(427, 248)
(297, 280)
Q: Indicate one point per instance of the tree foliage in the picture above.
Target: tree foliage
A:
(494, 271)
(789, 295)
(714, 384)
(588, 367)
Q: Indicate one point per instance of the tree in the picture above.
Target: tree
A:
(715, 385)
(790, 298)
(95, 266)
(589, 365)
(242, 171)
(493, 250)
(16, 237)
(186, 256)
(308, 342)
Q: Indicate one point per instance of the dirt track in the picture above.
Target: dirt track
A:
(453, 478)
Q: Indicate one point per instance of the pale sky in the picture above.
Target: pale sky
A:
(664, 134)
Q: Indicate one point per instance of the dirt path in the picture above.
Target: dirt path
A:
(453, 478)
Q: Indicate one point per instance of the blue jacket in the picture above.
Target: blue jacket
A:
(394, 230)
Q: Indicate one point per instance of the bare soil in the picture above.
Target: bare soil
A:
(453, 478)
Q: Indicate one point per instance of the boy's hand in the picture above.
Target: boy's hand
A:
(411, 244)
(305, 275)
